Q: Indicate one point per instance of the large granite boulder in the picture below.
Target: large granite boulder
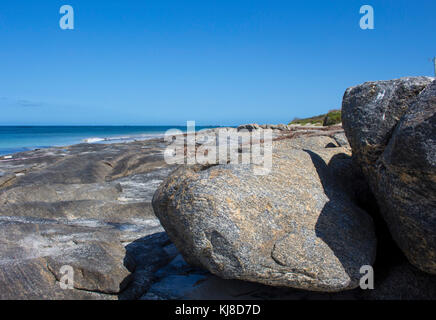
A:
(391, 126)
(296, 227)
(371, 111)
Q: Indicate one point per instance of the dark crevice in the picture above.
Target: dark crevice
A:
(388, 253)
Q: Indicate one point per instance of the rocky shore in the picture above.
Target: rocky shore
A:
(133, 227)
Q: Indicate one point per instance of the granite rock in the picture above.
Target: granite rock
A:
(296, 227)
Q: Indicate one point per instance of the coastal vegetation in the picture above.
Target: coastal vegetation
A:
(331, 118)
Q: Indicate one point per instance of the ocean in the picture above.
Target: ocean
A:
(23, 138)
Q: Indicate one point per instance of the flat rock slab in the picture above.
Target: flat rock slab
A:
(33, 251)
(86, 207)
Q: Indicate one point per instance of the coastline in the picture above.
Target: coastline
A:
(70, 201)
(132, 225)
(16, 139)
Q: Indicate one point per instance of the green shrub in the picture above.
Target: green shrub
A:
(332, 118)
(318, 120)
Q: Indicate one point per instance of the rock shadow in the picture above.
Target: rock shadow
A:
(143, 258)
(338, 224)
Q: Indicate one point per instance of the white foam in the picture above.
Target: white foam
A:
(122, 139)
(93, 140)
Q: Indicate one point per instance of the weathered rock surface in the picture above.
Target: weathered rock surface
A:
(34, 250)
(296, 227)
(179, 280)
(89, 206)
(391, 126)
(80, 206)
(372, 110)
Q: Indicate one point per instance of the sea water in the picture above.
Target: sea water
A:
(23, 138)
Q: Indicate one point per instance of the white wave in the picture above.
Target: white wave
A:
(128, 138)
(93, 140)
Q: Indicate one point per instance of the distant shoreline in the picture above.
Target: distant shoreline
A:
(15, 139)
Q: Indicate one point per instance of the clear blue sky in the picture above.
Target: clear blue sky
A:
(216, 62)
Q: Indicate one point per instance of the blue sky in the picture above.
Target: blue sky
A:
(216, 62)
